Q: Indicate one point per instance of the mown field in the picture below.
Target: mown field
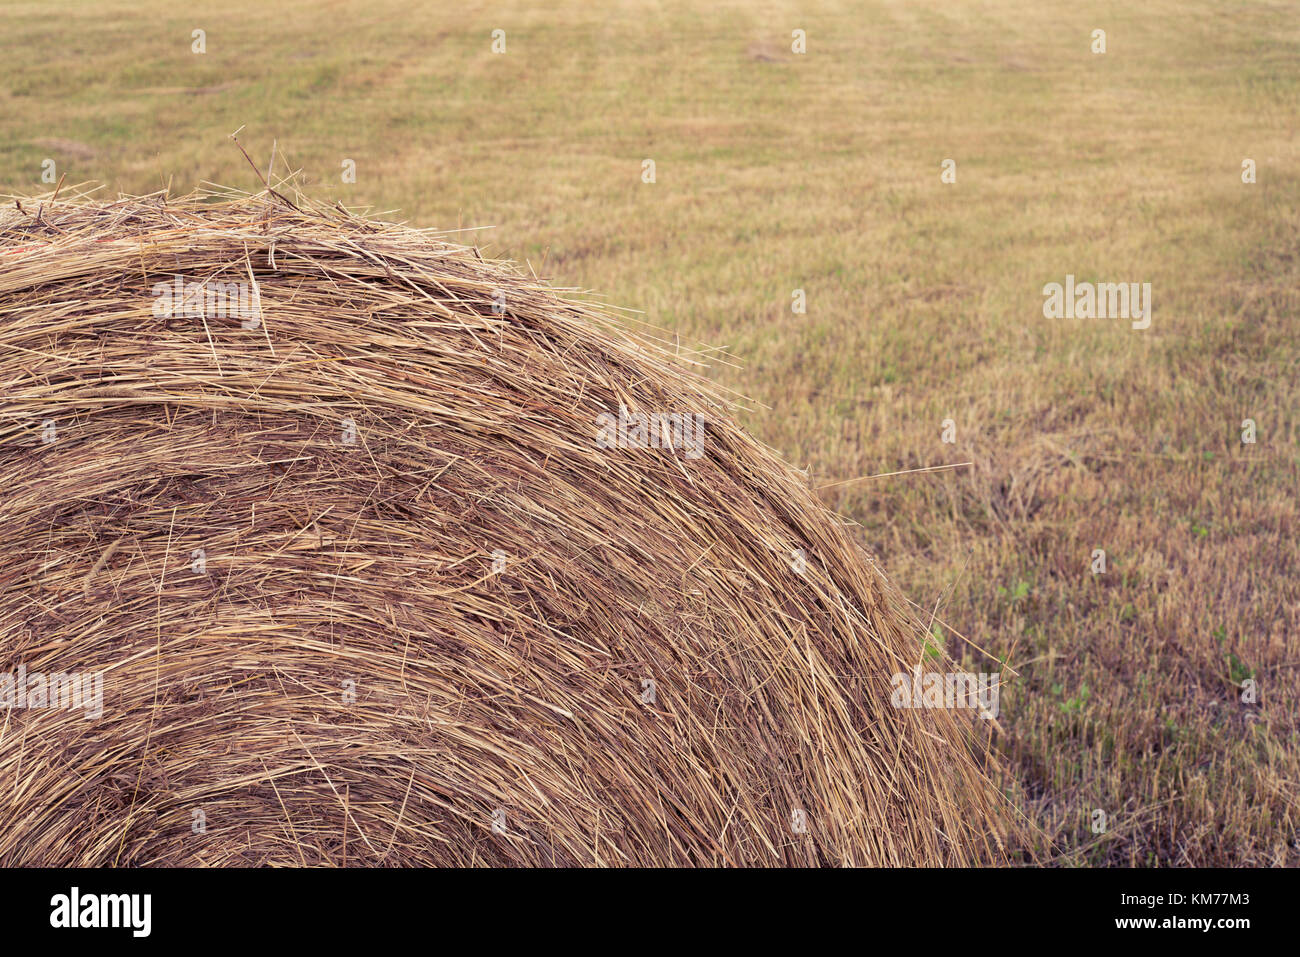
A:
(820, 171)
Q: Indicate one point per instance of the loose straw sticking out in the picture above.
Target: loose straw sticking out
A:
(863, 478)
(103, 560)
(386, 597)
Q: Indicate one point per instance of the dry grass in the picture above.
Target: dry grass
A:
(821, 172)
(329, 562)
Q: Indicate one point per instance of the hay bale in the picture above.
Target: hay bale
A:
(363, 587)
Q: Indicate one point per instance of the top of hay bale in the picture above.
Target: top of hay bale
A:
(387, 553)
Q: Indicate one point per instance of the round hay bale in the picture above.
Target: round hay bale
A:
(373, 559)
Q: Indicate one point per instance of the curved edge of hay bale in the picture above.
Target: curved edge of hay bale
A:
(474, 395)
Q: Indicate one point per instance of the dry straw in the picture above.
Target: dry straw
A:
(362, 587)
